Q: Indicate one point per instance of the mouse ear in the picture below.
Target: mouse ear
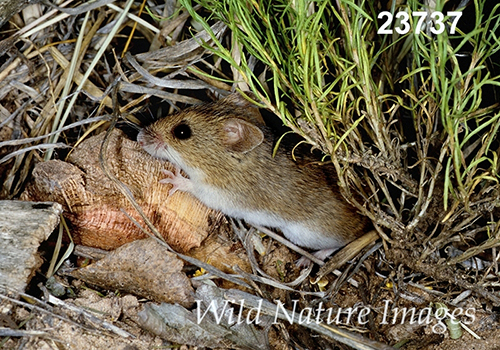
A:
(241, 136)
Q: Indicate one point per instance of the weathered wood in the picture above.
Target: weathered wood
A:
(23, 226)
(9, 8)
(96, 208)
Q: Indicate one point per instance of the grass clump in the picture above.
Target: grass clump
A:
(410, 120)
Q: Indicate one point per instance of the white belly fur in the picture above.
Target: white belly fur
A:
(298, 232)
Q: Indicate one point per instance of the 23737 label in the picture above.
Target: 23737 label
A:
(436, 22)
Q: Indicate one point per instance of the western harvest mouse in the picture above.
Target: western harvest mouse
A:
(226, 151)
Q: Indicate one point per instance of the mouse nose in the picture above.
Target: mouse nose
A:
(140, 138)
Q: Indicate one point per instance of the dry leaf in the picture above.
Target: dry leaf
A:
(143, 268)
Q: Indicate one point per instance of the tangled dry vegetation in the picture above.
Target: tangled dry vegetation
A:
(410, 121)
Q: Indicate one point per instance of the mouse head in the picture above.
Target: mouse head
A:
(205, 133)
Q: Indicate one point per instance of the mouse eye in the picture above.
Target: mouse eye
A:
(182, 131)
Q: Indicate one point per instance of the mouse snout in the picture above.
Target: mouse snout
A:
(150, 138)
(147, 136)
(140, 138)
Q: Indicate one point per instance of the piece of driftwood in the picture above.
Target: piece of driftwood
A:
(143, 268)
(23, 226)
(96, 208)
(9, 8)
(214, 323)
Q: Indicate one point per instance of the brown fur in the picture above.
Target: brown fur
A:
(301, 191)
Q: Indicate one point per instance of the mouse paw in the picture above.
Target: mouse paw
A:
(303, 262)
(177, 181)
(320, 254)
